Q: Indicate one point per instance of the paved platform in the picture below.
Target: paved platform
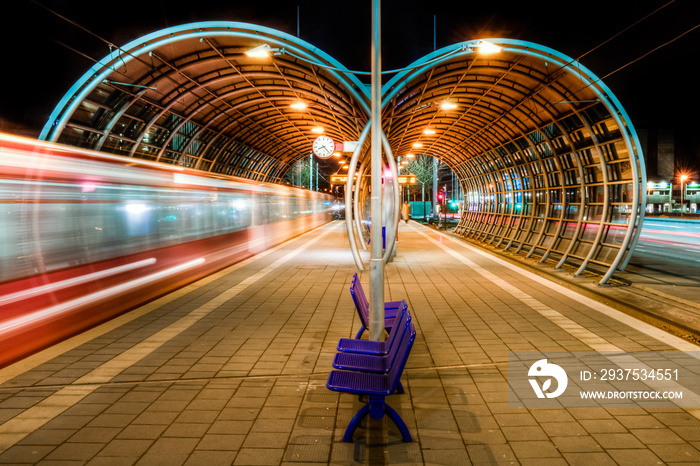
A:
(232, 370)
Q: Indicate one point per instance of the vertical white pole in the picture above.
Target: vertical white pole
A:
(376, 326)
(311, 172)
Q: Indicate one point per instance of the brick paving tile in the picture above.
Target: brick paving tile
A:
(221, 442)
(456, 457)
(640, 457)
(20, 454)
(676, 453)
(128, 448)
(74, 452)
(211, 458)
(259, 456)
(538, 449)
(490, 453)
(576, 444)
(588, 459)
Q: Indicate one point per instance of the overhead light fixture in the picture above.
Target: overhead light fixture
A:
(337, 154)
(428, 131)
(410, 156)
(317, 130)
(417, 145)
(448, 105)
(299, 105)
(345, 167)
(261, 51)
(485, 47)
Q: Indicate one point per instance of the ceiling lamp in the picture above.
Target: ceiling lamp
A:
(261, 51)
(428, 131)
(317, 130)
(417, 145)
(299, 105)
(448, 105)
(485, 47)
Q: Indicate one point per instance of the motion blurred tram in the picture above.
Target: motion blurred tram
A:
(86, 236)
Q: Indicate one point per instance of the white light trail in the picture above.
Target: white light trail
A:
(26, 294)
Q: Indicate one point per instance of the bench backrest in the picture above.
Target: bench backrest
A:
(401, 320)
(361, 296)
(361, 305)
(401, 323)
(404, 349)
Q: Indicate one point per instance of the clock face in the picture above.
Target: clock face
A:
(323, 147)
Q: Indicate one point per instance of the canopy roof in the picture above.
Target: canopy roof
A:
(549, 162)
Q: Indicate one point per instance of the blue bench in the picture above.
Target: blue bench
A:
(391, 308)
(353, 345)
(377, 363)
(376, 386)
(367, 362)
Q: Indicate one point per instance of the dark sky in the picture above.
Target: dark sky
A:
(658, 91)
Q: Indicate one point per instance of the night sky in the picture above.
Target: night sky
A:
(44, 54)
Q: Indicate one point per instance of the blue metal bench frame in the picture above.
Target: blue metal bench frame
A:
(377, 387)
(391, 308)
(353, 345)
(368, 362)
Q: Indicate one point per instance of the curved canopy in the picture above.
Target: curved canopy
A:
(190, 95)
(547, 157)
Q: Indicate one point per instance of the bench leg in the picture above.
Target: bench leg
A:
(359, 334)
(376, 407)
(405, 434)
(364, 411)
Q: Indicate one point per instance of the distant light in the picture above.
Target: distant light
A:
(136, 208)
(485, 47)
(410, 156)
(299, 105)
(345, 167)
(429, 131)
(317, 130)
(337, 154)
(261, 51)
(448, 105)
(417, 145)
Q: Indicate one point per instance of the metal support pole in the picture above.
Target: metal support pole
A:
(435, 188)
(376, 294)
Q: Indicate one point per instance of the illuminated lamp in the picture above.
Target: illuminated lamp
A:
(261, 51)
(484, 47)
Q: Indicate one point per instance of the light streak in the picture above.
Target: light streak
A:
(90, 298)
(26, 294)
